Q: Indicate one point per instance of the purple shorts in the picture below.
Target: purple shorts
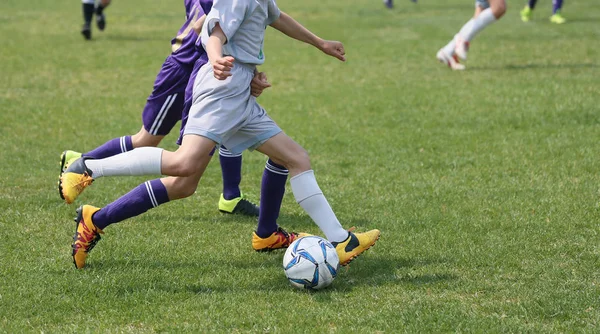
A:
(165, 105)
(189, 94)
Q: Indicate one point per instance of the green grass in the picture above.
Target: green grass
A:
(485, 184)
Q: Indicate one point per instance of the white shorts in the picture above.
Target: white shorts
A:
(482, 3)
(225, 112)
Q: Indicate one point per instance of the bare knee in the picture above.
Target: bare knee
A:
(498, 8)
(296, 161)
(180, 187)
(143, 138)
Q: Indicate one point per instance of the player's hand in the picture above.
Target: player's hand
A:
(222, 67)
(258, 84)
(334, 49)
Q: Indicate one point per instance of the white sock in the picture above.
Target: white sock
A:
(140, 161)
(311, 199)
(465, 28)
(449, 48)
(485, 18)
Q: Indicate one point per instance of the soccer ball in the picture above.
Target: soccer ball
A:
(311, 263)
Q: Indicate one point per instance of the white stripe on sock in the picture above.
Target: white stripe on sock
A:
(123, 147)
(276, 170)
(155, 125)
(226, 153)
(151, 193)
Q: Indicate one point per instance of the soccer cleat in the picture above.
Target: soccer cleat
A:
(239, 205)
(557, 18)
(86, 31)
(74, 180)
(461, 48)
(389, 3)
(355, 245)
(86, 235)
(452, 62)
(67, 156)
(526, 14)
(101, 22)
(279, 239)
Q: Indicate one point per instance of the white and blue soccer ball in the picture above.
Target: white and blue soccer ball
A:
(311, 263)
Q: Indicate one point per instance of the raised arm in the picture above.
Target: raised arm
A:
(287, 25)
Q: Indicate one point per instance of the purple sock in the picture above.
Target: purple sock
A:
(112, 147)
(556, 5)
(144, 197)
(271, 196)
(231, 169)
(532, 4)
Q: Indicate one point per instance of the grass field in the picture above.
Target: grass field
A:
(485, 183)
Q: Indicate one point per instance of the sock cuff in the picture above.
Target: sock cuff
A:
(275, 168)
(126, 144)
(304, 186)
(157, 192)
(226, 153)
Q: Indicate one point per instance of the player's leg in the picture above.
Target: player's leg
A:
(268, 234)
(486, 13)
(527, 11)
(282, 150)
(389, 3)
(100, 17)
(232, 200)
(141, 161)
(92, 221)
(556, 15)
(88, 13)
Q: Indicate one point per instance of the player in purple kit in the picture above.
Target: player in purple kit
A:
(89, 8)
(164, 109)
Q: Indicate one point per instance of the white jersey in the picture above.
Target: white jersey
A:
(244, 23)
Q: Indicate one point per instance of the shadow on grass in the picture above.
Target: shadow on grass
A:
(533, 66)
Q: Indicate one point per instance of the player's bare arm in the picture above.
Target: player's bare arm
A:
(214, 49)
(287, 25)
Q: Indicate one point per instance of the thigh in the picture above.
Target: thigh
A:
(258, 128)
(282, 149)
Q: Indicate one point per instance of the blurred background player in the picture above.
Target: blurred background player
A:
(556, 7)
(486, 13)
(170, 97)
(89, 8)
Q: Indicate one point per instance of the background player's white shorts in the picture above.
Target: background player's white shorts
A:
(225, 112)
(482, 3)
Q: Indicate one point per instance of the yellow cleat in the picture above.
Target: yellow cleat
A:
(67, 156)
(279, 239)
(355, 245)
(239, 205)
(74, 180)
(557, 18)
(86, 235)
(526, 14)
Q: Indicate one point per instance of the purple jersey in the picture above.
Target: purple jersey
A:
(184, 49)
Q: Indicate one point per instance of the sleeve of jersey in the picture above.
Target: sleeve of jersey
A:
(229, 14)
(273, 13)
